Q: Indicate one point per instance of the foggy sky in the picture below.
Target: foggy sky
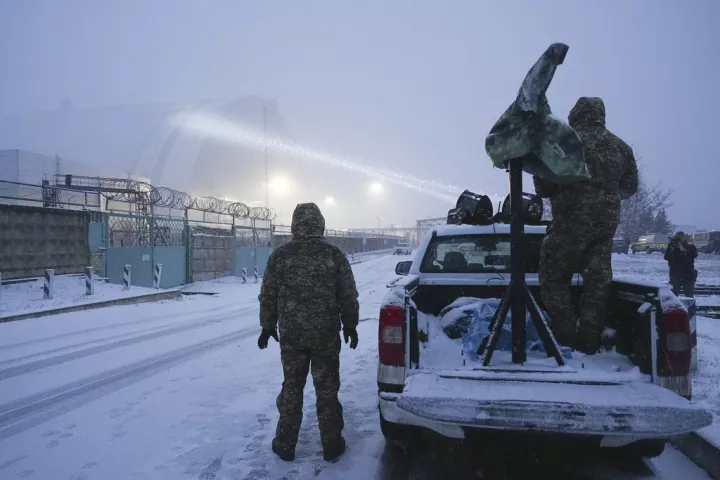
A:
(415, 85)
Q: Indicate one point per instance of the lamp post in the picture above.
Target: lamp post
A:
(265, 154)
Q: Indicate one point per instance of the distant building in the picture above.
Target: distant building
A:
(22, 174)
(147, 140)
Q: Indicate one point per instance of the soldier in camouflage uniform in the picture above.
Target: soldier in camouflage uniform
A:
(309, 290)
(579, 239)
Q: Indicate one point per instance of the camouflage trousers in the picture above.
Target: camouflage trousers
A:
(562, 255)
(324, 363)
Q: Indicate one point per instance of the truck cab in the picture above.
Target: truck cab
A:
(634, 395)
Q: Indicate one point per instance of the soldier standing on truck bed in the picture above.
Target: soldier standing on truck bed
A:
(585, 218)
(309, 290)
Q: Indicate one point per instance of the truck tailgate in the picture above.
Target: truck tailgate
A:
(567, 406)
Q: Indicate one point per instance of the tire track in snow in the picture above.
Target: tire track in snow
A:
(198, 316)
(20, 415)
(113, 326)
(15, 371)
(28, 412)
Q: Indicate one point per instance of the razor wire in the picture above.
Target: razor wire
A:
(140, 192)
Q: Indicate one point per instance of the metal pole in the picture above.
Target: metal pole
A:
(127, 274)
(265, 153)
(157, 275)
(49, 284)
(517, 258)
(89, 285)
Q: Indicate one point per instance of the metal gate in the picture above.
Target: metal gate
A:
(253, 248)
(142, 242)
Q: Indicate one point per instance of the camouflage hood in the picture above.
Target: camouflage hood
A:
(587, 112)
(307, 221)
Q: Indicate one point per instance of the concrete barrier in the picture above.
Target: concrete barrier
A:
(150, 297)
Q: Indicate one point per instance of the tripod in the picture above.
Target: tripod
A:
(517, 296)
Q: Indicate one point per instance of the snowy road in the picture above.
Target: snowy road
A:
(179, 390)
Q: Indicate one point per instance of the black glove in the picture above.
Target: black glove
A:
(351, 334)
(265, 336)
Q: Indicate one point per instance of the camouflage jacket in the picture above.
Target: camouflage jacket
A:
(308, 287)
(611, 164)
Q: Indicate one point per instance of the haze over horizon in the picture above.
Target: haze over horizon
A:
(410, 87)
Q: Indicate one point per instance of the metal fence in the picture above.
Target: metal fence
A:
(349, 241)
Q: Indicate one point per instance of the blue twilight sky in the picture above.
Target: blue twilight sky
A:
(415, 85)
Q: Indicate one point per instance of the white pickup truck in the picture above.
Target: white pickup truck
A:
(402, 248)
(632, 396)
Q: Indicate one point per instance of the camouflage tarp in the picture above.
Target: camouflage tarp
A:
(550, 147)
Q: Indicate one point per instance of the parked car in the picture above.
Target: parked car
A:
(631, 399)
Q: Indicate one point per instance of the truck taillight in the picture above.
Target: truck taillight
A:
(391, 335)
(675, 346)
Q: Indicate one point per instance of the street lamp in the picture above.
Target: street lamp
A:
(376, 188)
(281, 186)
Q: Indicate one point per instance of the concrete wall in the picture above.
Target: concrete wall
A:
(33, 239)
(211, 256)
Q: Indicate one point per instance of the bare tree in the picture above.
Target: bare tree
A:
(637, 213)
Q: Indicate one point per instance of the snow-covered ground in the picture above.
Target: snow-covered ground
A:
(178, 389)
(27, 297)
(642, 266)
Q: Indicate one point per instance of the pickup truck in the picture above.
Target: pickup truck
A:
(632, 396)
(402, 248)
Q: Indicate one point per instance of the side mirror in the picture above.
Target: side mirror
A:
(403, 268)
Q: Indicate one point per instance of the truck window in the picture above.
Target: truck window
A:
(477, 254)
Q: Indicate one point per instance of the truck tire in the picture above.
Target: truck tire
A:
(396, 435)
(642, 449)
(648, 251)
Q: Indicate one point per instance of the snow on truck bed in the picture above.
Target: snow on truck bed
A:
(444, 355)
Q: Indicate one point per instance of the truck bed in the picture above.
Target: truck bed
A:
(610, 394)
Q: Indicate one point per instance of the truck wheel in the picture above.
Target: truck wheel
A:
(396, 436)
(648, 251)
(643, 449)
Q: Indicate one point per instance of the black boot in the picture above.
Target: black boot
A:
(334, 450)
(286, 454)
